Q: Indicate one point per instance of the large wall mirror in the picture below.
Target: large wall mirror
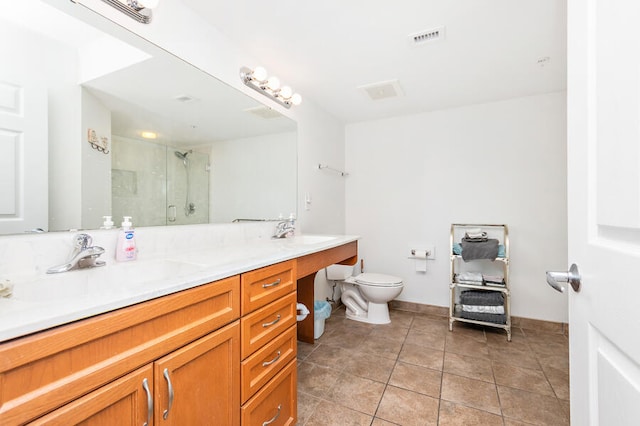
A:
(93, 126)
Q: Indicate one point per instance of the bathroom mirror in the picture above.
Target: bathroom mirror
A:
(91, 125)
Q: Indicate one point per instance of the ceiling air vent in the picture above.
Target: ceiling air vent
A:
(382, 90)
(426, 37)
(263, 112)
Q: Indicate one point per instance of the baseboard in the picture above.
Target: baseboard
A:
(524, 323)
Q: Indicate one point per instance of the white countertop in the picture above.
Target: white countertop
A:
(46, 301)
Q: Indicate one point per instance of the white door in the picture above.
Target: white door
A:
(604, 210)
(23, 139)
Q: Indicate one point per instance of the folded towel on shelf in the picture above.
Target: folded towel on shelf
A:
(493, 279)
(457, 250)
(479, 316)
(479, 250)
(471, 276)
(476, 236)
(473, 231)
(480, 297)
(483, 309)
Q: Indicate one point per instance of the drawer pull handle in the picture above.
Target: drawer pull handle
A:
(269, 324)
(145, 386)
(273, 284)
(266, 363)
(273, 419)
(165, 373)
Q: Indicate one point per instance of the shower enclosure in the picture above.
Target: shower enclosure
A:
(170, 187)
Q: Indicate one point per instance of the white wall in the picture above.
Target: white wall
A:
(503, 162)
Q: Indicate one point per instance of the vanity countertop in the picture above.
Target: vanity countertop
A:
(46, 301)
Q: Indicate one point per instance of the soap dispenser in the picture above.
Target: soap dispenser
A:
(126, 246)
(108, 223)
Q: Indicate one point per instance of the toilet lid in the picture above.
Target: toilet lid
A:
(379, 280)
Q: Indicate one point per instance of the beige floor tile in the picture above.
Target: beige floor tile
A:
(458, 415)
(434, 340)
(470, 392)
(430, 324)
(379, 422)
(530, 407)
(304, 349)
(558, 362)
(401, 318)
(423, 356)
(382, 347)
(512, 422)
(329, 356)
(460, 343)
(418, 379)
(316, 380)
(509, 356)
(357, 393)
(330, 414)
(550, 348)
(369, 366)
(344, 339)
(522, 378)
(535, 336)
(470, 331)
(397, 334)
(559, 381)
(407, 408)
(468, 366)
(306, 405)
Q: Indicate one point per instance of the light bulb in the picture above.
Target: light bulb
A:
(273, 83)
(286, 92)
(150, 4)
(259, 73)
(296, 99)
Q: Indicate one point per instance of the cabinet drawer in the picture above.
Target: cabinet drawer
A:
(267, 284)
(276, 403)
(41, 372)
(263, 325)
(260, 367)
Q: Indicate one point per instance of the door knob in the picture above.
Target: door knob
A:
(572, 277)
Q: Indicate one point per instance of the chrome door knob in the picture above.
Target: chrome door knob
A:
(572, 277)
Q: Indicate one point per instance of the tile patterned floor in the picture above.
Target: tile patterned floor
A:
(415, 372)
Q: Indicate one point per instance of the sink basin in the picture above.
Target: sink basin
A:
(100, 282)
(310, 239)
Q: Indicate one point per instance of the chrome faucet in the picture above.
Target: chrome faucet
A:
(285, 228)
(84, 255)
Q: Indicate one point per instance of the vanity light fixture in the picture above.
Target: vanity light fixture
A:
(138, 10)
(259, 81)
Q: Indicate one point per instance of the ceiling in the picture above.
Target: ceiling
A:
(492, 49)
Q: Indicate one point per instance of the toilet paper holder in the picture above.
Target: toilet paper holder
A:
(420, 254)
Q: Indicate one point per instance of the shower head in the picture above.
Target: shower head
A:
(183, 155)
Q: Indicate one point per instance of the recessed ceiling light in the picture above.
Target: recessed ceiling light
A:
(149, 135)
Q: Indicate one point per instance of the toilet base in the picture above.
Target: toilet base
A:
(377, 313)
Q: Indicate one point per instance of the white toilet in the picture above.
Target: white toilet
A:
(366, 295)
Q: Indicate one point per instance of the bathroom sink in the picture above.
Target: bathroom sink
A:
(310, 239)
(112, 280)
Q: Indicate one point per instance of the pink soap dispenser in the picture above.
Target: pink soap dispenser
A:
(126, 246)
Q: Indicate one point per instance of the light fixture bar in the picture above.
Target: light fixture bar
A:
(132, 9)
(270, 87)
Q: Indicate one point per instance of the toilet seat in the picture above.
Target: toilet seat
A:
(378, 280)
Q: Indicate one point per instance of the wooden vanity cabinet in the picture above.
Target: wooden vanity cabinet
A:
(45, 371)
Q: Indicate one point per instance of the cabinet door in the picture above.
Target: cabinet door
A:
(126, 401)
(199, 384)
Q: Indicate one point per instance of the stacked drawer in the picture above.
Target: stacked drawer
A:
(268, 345)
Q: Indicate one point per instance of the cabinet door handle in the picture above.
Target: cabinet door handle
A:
(268, 324)
(273, 419)
(266, 363)
(145, 386)
(165, 373)
(273, 284)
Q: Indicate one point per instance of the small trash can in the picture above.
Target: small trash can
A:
(321, 311)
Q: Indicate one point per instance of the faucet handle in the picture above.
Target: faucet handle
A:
(82, 241)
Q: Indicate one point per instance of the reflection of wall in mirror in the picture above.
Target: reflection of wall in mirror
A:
(254, 178)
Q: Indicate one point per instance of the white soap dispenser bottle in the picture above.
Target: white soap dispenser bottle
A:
(126, 246)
